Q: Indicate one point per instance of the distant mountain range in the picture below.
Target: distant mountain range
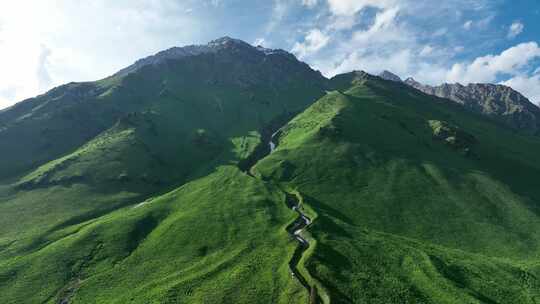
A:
(499, 102)
(228, 173)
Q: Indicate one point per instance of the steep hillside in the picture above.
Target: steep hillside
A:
(227, 82)
(418, 200)
(145, 132)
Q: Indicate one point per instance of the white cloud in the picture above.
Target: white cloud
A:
(485, 22)
(313, 42)
(81, 41)
(487, 68)
(309, 3)
(390, 42)
(351, 7)
(279, 11)
(440, 32)
(339, 23)
(515, 29)
(259, 41)
(383, 29)
(339, 36)
(528, 86)
(397, 63)
(426, 51)
(42, 73)
(7, 95)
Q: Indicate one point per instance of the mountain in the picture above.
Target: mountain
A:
(409, 212)
(227, 173)
(156, 97)
(387, 75)
(499, 102)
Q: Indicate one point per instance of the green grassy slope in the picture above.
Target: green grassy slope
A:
(220, 239)
(165, 129)
(66, 214)
(406, 215)
(236, 88)
(50, 125)
(415, 200)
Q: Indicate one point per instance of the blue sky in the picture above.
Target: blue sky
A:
(44, 43)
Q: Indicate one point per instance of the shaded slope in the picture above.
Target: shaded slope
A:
(159, 127)
(47, 126)
(266, 82)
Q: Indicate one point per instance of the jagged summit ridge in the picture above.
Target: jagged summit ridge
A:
(214, 46)
(494, 100)
(497, 101)
(389, 76)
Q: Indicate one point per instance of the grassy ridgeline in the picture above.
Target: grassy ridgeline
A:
(405, 216)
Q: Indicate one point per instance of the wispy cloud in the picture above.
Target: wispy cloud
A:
(515, 29)
(50, 50)
(310, 3)
(42, 73)
(488, 67)
(351, 7)
(279, 11)
(313, 42)
(527, 85)
(259, 41)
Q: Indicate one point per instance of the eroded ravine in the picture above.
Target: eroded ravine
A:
(296, 228)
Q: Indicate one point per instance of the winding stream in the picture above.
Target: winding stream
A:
(295, 229)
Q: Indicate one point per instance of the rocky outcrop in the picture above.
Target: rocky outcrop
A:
(227, 44)
(499, 102)
(389, 76)
(452, 136)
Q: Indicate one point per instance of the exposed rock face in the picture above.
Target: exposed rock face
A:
(452, 136)
(389, 76)
(496, 101)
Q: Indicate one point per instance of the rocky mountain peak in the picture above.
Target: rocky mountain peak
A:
(387, 75)
(227, 42)
(223, 44)
(410, 80)
(499, 102)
